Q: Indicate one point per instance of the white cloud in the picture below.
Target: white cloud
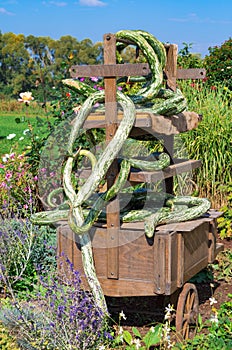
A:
(192, 17)
(55, 3)
(5, 12)
(92, 3)
(58, 3)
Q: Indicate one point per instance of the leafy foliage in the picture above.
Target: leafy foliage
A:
(186, 59)
(218, 332)
(36, 63)
(17, 185)
(225, 222)
(219, 64)
(25, 251)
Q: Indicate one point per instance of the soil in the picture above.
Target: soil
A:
(142, 312)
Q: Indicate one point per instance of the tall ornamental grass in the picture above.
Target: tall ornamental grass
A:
(211, 141)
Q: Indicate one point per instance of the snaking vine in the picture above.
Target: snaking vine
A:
(80, 218)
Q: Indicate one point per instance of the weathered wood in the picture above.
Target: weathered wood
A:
(112, 209)
(130, 69)
(110, 70)
(151, 123)
(171, 67)
(156, 266)
(178, 167)
(191, 73)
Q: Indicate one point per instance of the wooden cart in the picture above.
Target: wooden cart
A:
(127, 262)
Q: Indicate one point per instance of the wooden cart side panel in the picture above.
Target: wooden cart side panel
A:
(195, 250)
(165, 262)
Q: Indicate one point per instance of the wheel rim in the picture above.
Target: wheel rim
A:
(187, 311)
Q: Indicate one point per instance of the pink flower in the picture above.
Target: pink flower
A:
(119, 88)
(8, 176)
(82, 79)
(36, 178)
(2, 166)
(25, 206)
(95, 79)
(20, 156)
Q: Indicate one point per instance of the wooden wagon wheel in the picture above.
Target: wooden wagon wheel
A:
(187, 311)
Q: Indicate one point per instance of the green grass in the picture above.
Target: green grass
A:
(211, 140)
(8, 125)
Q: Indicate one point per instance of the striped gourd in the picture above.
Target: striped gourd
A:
(155, 65)
(163, 208)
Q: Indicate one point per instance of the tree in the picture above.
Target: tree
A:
(186, 59)
(13, 64)
(219, 64)
(39, 68)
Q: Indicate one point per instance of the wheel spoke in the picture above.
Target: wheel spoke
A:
(185, 330)
(192, 301)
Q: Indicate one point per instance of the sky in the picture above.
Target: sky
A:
(201, 23)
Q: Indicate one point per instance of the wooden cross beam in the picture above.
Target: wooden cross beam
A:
(129, 69)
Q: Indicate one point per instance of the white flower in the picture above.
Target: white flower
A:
(168, 312)
(102, 347)
(152, 329)
(5, 157)
(212, 301)
(137, 343)
(122, 315)
(26, 97)
(169, 308)
(10, 136)
(120, 330)
(214, 318)
(21, 138)
(25, 131)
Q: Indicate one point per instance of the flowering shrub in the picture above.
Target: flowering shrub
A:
(62, 315)
(25, 251)
(219, 64)
(17, 185)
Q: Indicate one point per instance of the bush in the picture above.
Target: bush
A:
(61, 316)
(219, 64)
(17, 184)
(186, 59)
(25, 251)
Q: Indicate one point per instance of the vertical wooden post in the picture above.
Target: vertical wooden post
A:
(112, 210)
(171, 73)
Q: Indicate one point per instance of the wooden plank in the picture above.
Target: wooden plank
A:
(130, 69)
(172, 170)
(110, 70)
(171, 67)
(179, 166)
(112, 209)
(150, 122)
(191, 73)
